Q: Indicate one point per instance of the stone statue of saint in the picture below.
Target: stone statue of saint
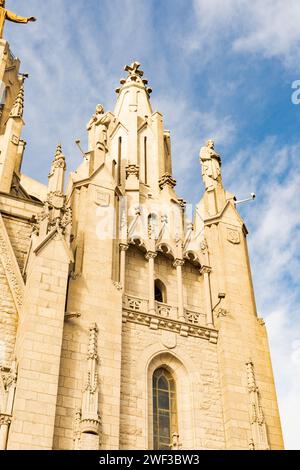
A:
(211, 165)
(97, 127)
(8, 15)
(96, 118)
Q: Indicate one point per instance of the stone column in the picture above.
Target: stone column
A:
(205, 271)
(4, 426)
(150, 255)
(178, 263)
(123, 248)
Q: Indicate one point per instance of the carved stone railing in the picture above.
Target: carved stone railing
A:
(136, 310)
(196, 318)
(165, 310)
(134, 303)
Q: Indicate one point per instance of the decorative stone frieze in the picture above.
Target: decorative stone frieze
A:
(169, 324)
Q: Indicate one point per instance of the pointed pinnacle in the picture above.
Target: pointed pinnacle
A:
(58, 152)
(18, 106)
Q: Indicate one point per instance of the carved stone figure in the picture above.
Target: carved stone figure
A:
(97, 117)
(211, 165)
(10, 16)
(97, 127)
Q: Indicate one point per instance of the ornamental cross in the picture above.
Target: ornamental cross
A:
(10, 16)
(133, 69)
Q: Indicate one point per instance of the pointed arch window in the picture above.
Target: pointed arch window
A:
(160, 291)
(164, 409)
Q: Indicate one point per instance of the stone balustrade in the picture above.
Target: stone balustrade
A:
(137, 304)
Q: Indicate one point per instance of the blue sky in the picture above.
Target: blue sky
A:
(218, 69)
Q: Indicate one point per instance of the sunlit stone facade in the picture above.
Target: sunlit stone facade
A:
(123, 324)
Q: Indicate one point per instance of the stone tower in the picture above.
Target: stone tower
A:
(123, 324)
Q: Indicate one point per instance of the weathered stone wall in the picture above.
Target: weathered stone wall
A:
(19, 232)
(198, 388)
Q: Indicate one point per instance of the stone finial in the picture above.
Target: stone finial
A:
(133, 69)
(134, 75)
(59, 160)
(166, 180)
(58, 152)
(18, 106)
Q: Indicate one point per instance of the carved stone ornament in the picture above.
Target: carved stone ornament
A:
(168, 339)
(15, 139)
(118, 285)
(203, 245)
(11, 266)
(167, 180)
(102, 199)
(18, 106)
(211, 165)
(132, 170)
(205, 270)
(123, 247)
(178, 262)
(221, 312)
(87, 419)
(176, 444)
(8, 381)
(233, 236)
(150, 255)
(259, 439)
(136, 314)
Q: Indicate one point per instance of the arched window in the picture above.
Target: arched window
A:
(160, 291)
(164, 409)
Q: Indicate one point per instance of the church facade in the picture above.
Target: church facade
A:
(123, 323)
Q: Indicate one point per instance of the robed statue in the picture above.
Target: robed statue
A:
(211, 165)
(10, 16)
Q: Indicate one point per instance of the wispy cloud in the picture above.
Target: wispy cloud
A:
(272, 170)
(269, 28)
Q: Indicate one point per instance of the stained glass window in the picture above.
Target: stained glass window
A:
(164, 409)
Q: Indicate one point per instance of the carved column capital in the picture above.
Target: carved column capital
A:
(5, 419)
(150, 255)
(178, 262)
(205, 270)
(123, 246)
(133, 170)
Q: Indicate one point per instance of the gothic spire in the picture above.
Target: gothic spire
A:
(133, 94)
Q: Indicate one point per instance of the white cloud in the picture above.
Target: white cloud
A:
(266, 27)
(273, 171)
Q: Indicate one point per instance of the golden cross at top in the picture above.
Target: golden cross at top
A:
(133, 69)
(10, 16)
